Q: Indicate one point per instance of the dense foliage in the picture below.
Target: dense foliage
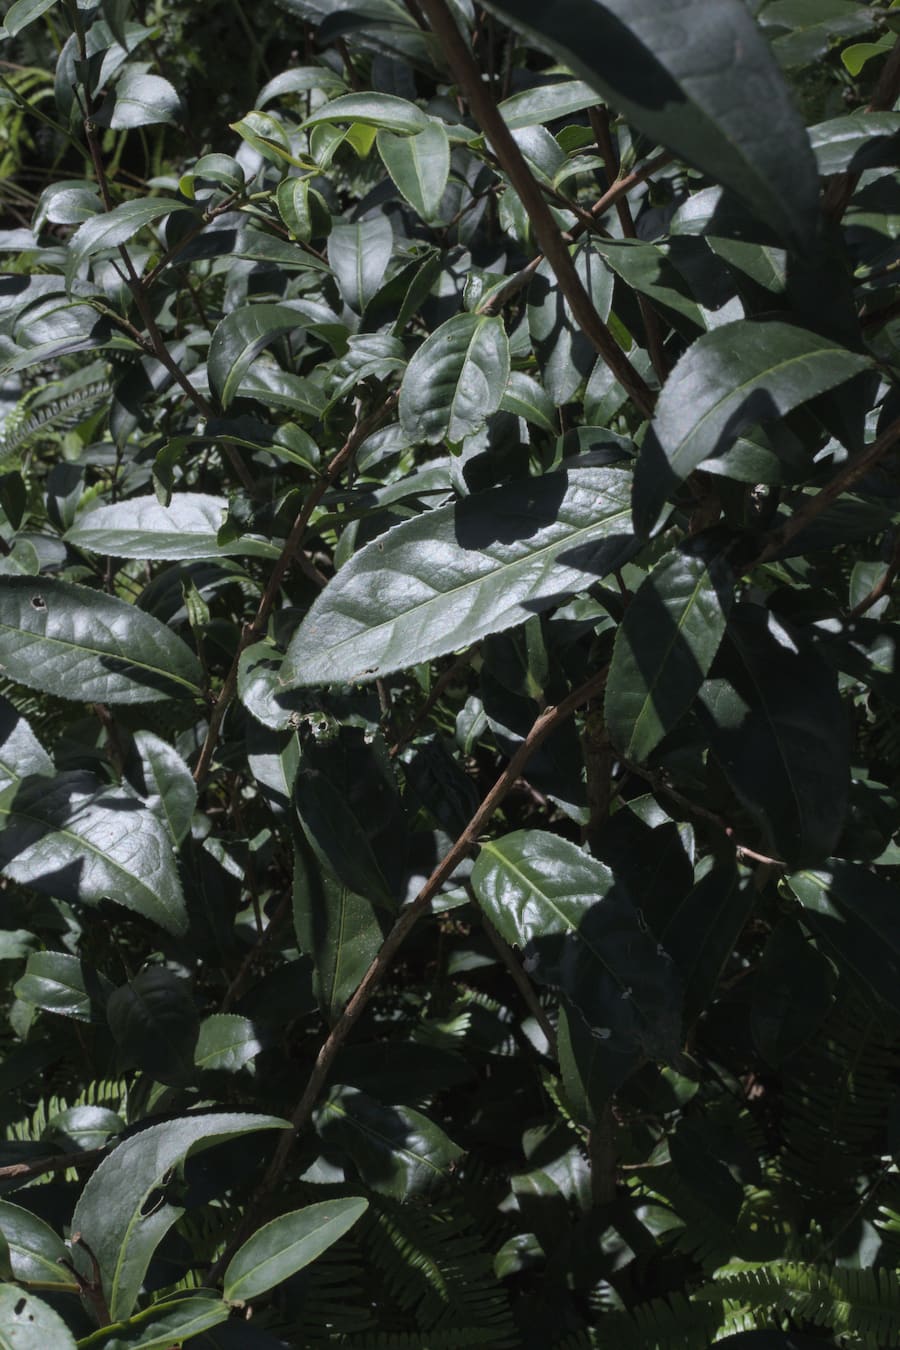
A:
(449, 670)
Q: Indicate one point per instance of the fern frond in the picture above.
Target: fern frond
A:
(861, 1305)
(672, 1323)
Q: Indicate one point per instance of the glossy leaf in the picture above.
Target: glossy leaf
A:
(664, 648)
(113, 1215)
(77, 643)
(83, 1127)
(239, 338)
(166, 785)
(28, 1323)
(161, 1326)
(546, 103)
(731, 379)
(444, 580)
(227, 1042)
(564, 353)
(397, 1151)
(578, 931)
(143, 100)
(860, 141)
(61, 983)
(779, 730)
(455, 380)
(118, 226)
(23, 12)
(384, 111)
(280, 1248)
(359, 255)
(74, 838)
(36, 1252)
(142, 528)
(697, 78)
(154, 1021)
(419, 166)
(21, 753)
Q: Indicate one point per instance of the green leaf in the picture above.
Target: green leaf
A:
(359, 255)
(731, 379)
(83, 1127)
(27, 1323)
(664, 648)
(701, 930)
(419, 166)
(167, 785)
(384, 111)
(547, 103)
(77, 643)
(440, 582)
(397, 1151)
(240, 337)
(864, 140)
(141, 528)
(579, 932)
(162, 1326)
(143, 100)
(118, 226)
(778, 727)
(525, 398)
(340, 930)
(155, 1024)
(791, 995)
(564, 353)
(854, 912)
(36, 1253)
(21, 753)
(22, 13)
(113, 1215)
(698, 78)
(455, 380)
(64, 984)
(75, 838)
(227, 1042)
(280, 1248)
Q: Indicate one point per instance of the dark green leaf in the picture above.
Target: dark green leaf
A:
(579, 932)
(74, 838)
(455, 380)
(546, 103)
(78, 643)
(442, 581)
(280, 1248)
(664, 649)
(28, 1323)
(395, 1150)
(161, 1326)
(239, 339)
(155, 1024)
(60, 983)
(565, 354)
(791, 996)
(36, 1252)
(166, 785)
(113, 1216)
(83, 1127)
(143, 100)
(359, 255)
(141, 528)
(778, 728)
(227, 1042)
(419, 166)
(864, 140)
(118, 226)
(731, 379)
(21, 753)
(374, 110)
(701, 930)
(23, 12)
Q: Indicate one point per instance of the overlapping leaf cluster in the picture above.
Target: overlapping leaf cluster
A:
(449, 675)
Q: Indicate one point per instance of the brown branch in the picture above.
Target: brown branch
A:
(551, 241)
(882, 586)
(615, 192)
(257, 627)
(55, 1162)
(546, 723)
(843, 480)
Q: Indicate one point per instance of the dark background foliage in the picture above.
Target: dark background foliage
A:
(448, 674)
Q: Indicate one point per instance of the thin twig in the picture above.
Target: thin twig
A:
(257, 627)
(55, 1162)
(553, 245)
(514, 967)
(272, 928)
(441, 684)
(545, 724)
(882, 586)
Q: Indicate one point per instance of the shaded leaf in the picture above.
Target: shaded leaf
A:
(155, 1024)
(791, 995)
(21, 753)
(64, 984)
(161, 1326)
(36, 1252)
(701, 930)
(240, 337)
(118, 226)
(395, 1150)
